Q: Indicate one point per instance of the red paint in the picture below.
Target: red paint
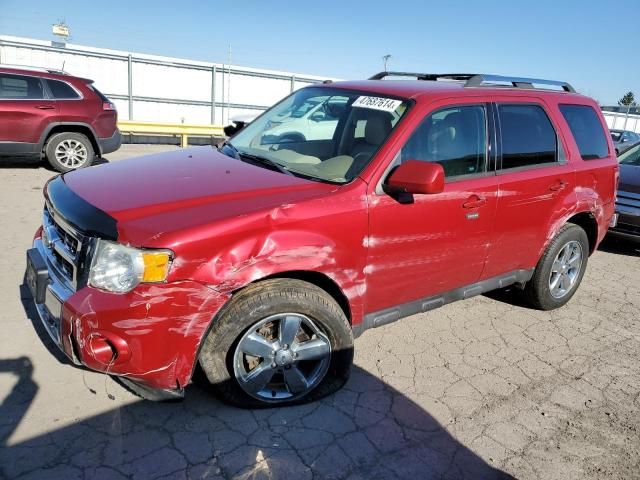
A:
(414, 176)
(231, 223)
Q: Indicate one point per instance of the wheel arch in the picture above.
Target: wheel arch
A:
(588, 222)
(64, 127)
(318, 279)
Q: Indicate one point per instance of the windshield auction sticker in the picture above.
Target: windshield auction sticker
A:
(377, 103)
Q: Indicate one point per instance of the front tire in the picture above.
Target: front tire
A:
(278, 342)
(69, 151)
(560, 269)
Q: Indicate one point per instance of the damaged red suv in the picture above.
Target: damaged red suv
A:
(260, 261)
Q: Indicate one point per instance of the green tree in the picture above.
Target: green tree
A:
(627, 100)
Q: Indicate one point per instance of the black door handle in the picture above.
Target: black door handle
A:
(45, 107)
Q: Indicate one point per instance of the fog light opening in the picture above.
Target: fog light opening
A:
(102, 349)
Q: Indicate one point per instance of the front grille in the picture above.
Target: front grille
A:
(63, 246)
(628, 229)
(628, 201)
(70, 242)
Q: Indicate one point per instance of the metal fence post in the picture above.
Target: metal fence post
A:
(130, 85)
(213, 95)
(626, 117)
(293, 83)
(223, 92)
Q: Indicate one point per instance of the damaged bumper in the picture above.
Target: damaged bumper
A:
(150, 336)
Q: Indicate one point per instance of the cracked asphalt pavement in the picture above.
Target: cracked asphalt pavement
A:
(478, 389)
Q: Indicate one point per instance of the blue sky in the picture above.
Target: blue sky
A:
(591, 44)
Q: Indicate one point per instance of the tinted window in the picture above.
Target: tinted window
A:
(99, 93)
(453, 137)
(587, 131)
(528, 138)
(631, 157)
(61, 90)
(19, 87)
(615, 136)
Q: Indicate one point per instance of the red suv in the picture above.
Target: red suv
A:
(49, 113)
(260, 261)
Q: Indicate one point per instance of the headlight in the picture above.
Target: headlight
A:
(117, 268)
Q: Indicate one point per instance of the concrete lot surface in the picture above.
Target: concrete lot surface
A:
(477, 389)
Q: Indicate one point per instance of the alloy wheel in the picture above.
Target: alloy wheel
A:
(71, 153)
(565, 269)
(281, 357)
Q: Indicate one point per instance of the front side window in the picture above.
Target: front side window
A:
(528, 138)
(587, 131)
(321, 133)
(456, 138)
(61, 90)
(18, 87)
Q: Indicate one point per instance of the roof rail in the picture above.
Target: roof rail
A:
(34, 69)
(423, 76)
(480, 80)
(483, 80)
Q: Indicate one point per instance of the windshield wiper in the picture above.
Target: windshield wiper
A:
(263, 160)
(237, 154)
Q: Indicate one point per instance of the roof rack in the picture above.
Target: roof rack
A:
(34, 69)
(424, 76)
(481, 80)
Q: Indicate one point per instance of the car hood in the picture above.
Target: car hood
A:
(179, 190)
(629, 178)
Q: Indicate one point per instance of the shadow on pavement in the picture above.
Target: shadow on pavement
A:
(34, 163)
(620, 246)
(367, 430)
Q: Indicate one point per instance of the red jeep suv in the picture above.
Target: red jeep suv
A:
(261, 260)
(49, 113)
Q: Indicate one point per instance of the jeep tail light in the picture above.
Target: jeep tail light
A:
(108, 106)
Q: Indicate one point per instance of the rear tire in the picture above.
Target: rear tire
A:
(560, 269)
(260, 312)
(69, 151)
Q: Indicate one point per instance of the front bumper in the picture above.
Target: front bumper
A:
(628, 210)
(154, 332)
(110, 144)
(628, 227)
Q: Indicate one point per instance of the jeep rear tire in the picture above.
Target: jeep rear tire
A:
(278, 342)
(559, 270)
(69, 151)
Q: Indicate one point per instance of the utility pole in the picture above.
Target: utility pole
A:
(385, 59)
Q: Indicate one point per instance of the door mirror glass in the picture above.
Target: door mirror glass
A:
(418, 177)
(318, 116)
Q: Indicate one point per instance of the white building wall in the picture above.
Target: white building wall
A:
(163, 89)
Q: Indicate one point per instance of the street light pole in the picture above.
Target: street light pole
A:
(385, 59)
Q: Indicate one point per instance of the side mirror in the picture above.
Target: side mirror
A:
(415, 176)
(317, 117)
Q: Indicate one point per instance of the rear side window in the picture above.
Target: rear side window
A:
(62, 90)
(587, 131)
(528, 138)
(99, 93)
(456, 138)
(18, 87)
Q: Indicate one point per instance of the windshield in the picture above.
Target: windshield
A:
(631, 156)
(320, 132)
(615, 136)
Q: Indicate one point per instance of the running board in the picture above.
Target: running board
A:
(390, 315)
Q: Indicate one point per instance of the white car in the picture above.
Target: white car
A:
(315, 119)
